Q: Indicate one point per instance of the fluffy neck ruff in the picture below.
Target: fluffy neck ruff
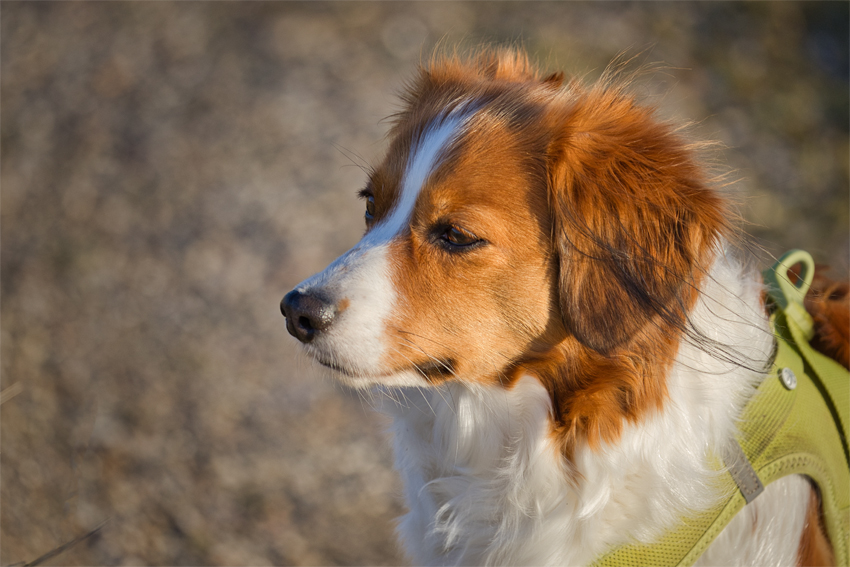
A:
(487, 481)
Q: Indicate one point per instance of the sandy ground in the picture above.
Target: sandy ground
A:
(170, 170)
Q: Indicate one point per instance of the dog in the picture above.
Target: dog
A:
(547, 284)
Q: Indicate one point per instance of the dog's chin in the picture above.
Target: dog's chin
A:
(417, 375)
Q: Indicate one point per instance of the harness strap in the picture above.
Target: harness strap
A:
(742, 472)
(784, 430)
(830, 376)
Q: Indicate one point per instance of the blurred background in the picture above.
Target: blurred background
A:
(170, 170)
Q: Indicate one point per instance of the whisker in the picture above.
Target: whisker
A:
(363, 164)
(441, 363)
(438, 361)
(427, 339)
(424, 375)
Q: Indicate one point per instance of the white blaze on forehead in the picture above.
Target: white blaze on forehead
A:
(357, 340)
(425, 155)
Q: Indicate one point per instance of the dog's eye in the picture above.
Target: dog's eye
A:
(370, 207)
(458, 237)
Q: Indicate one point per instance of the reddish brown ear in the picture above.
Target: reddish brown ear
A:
(634, 221)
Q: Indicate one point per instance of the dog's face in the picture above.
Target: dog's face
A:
(517, 225)
(454, 276)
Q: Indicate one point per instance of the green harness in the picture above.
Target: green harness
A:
(797, 423)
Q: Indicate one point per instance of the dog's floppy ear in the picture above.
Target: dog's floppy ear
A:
(634, 222)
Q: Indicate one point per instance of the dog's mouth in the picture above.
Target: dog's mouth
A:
(434, 370)
(337, 368)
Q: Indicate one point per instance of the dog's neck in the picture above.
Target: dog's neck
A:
(485, 481)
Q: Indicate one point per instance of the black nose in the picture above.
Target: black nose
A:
(306, 314)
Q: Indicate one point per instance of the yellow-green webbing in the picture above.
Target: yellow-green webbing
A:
(798, 431)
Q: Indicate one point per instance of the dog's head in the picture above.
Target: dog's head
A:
(517, 224)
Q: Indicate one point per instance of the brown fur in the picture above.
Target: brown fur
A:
(472, 311)
(828, 302)
(815, 549)
(634, 219)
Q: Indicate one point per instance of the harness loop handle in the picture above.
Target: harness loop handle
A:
(789, 295)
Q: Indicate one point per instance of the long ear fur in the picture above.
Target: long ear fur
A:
(635, 223)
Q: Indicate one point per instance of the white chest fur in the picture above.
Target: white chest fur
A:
(485, 484)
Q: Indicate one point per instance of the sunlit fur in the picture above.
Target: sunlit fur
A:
(546, 299)
(486, 484)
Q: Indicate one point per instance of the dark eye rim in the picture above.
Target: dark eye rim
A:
(470, 240)
(370, 204)
(369, 196)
